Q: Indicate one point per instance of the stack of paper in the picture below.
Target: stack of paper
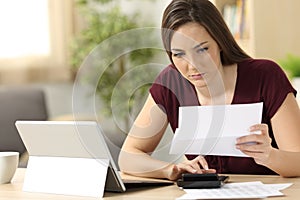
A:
(213, 130)
(244, 190)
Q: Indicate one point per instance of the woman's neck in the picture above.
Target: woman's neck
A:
(220, 90)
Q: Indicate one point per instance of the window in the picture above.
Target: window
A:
(34, 40)
(24, 28)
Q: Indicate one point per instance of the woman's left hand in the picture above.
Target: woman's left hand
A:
(257, 146)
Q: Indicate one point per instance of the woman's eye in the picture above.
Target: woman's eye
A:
(178, 54)
(202, 50)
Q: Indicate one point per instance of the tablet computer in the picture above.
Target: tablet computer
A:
(78, 139)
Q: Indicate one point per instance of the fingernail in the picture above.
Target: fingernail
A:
(251, 128)
(206, 167)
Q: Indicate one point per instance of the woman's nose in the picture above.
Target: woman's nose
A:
(193, 63)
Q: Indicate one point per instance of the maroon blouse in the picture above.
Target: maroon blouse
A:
(258, 80)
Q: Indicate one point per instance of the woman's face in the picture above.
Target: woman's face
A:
(195, 54)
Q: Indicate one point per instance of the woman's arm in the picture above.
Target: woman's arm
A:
(286, 128)
(144, 136)
(141, 141)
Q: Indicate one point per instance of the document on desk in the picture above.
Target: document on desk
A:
(213, 130)
(245, 190)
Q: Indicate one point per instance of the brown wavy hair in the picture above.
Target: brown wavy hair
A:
(180, 12)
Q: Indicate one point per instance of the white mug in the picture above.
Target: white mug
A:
(8, 164)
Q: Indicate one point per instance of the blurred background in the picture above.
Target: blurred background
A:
(44, 42)
(36, 37)
(37, 40)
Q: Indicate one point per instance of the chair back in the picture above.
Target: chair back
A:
(17, 103)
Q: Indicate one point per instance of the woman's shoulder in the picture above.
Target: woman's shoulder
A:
(259, 63)
(259, 66)
(169, 74)
(168, 70)
(170, 79)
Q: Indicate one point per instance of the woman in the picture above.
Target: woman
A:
(209, 68)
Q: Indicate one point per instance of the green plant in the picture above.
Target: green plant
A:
(291, 64)
(104, 20)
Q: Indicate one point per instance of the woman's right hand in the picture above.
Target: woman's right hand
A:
(196, 166)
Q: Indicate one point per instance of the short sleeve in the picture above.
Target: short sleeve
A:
(158, 91)
(170, 90)
(163, 89)
(276, 87)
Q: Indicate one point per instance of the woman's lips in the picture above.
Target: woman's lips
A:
(196, 76)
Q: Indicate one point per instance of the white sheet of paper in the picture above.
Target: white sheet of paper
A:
(281, 186)
(64, 175)
(244, 190)
(213, 130)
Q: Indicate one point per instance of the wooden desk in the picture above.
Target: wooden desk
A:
(14, 190)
